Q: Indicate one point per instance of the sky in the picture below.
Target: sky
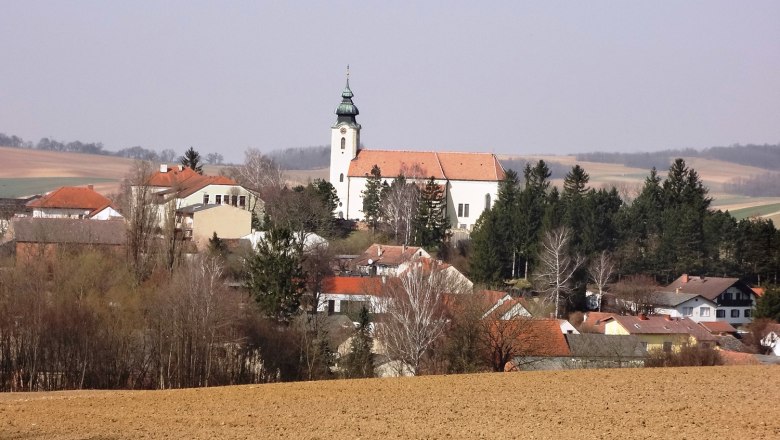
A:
(509, 77)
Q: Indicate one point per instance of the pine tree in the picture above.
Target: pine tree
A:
(431, 223)
(360, 361)
(487, 249)
(275, 275)
(372, 196)
(217, 246)
(191, 159)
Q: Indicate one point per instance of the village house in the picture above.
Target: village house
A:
(200, 222)
(684, 305)
(387, 260)
(74, 202)
(470, 180)
(660, 332)
(178, 187)
(733, 298)
(340, 295)
(44, 238)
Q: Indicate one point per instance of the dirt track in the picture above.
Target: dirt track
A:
(722, 402)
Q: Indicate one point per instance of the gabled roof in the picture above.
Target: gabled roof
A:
(653, 325)
(69, 231)
(672, 299)
(441, 166)
(184, 181)
(386, 255)
(609, 346)
(708, 287)
(594, 322)
(718, 327)
(353, 285)
(539, 337)
(73, 197)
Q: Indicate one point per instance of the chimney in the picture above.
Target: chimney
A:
(181, 167)
(684, 278)
(163, 167)
(92, 187)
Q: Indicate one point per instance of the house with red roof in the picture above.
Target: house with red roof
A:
(179, 189)
(76, 202)
(350, 294)
(381, 259)
(470, 180)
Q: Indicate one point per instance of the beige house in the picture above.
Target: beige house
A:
(200, 222)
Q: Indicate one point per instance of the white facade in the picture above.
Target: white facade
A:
(106, 213)
(698, 309)
(214, 194)
(344, 141)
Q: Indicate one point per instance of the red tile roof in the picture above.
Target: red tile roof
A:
(352, 285)
(73, 197)
(386, 255)
(594, 322)
(185, 181)
(442, 166)
(737, 358)
(540, 337)
(636, 325)
(718, 327)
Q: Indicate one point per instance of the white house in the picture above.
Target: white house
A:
(74, 202)
(684, 305)
(381, 259)
(470, 180)
(734, 299)
(178, 187)
(350, 294)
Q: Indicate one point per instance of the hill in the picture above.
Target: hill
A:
(708, 402)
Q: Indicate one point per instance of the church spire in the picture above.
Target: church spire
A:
(347, 110)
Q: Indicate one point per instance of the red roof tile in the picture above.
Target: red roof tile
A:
(387, 255)
(73, 197)
(442, 166)
(352, 285)
(594, 322)
(185, 181)
(718, 327)
(539, 337)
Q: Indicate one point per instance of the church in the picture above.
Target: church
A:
(470, 180)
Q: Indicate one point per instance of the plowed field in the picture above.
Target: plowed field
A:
(716, 402)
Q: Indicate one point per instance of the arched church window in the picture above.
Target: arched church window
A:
(341, 177)
(343, 143)
(487, 201)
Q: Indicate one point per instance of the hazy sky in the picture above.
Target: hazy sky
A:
(508, 77)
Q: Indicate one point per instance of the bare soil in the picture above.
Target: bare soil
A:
(714, 402)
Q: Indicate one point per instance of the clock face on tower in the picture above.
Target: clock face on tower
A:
(343, 130)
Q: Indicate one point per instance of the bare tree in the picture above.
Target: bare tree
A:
(399, 207)
(600, 271)
(556, 266)
(258, 172)
(634, 294)
(413, 314)
(137, 202)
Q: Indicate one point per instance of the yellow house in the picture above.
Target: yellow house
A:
(660, 332)
(200, 222)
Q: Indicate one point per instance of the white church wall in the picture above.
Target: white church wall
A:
(472, 194)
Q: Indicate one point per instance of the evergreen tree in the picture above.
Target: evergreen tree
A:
(326, 192)
(217, 246)
(529, 216)
(575, 208)
(275, 275)
(360, 361)
(486, 250)
(431, 223)
(768, 305)
(192, 160)
(372, 195)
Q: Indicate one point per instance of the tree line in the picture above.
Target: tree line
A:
(765, 156)
(668, 230)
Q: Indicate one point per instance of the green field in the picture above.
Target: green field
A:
(19, 187)
(739, 214)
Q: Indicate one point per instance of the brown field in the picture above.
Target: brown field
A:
(713, 402)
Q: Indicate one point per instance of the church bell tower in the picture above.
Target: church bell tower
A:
(344, 144)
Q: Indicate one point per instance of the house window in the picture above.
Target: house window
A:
(205, 199)
(704, 311)
(341, 177)
(687, 311)
(735, 313)
(748, 313)
(343, 143)
(331, 306)
(463, 209)
(487, 202)
(234, 201)
(218, 199)
(667, 347)
(226, 199)
(720, 313)
(242, 201)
